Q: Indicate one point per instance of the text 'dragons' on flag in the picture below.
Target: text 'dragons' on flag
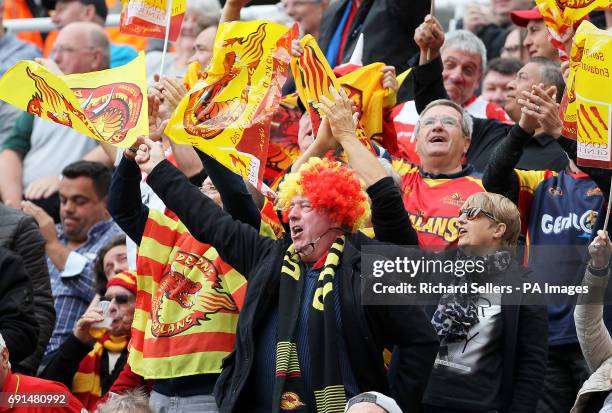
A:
(109, 105)
(586, 109)
(227, 113)
(148, 18)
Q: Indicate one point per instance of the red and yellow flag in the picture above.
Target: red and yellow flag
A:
(561, 16)
(586, 109)
(187, 303)
(227, 113)
(108, 105)
(313, 78)
(148, 18)
(283, 149)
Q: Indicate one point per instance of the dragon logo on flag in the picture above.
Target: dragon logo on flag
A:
(206, 116)
(113, 109)
(108, 111)
(186, 300)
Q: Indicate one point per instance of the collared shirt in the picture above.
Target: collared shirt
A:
(73, 289)
(13, 50)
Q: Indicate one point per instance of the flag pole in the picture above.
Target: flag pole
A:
(166, 36)
(431, 12)
(605, 227)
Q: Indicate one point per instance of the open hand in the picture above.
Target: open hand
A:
(340, 114)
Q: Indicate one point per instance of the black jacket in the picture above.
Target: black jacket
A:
(19, 233)
(499, 176)
(540, 153)
(367, 331)
(65, 364)
(18, 324)
(388, 29)
(525, 350)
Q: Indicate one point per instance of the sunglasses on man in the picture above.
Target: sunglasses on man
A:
(119, 298)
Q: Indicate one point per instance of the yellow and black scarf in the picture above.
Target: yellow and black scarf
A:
(326, 377)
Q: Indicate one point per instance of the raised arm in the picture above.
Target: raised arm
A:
(593, 336)
(238, 244)
(236, 199)
(125, 202)
(389, 217)
(427, 76)
(499, 176)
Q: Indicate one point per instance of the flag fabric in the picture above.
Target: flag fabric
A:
(283, 149)
(187, 303)
(148, 18)
(108, 105)
(586, 109)
(227, 113)
(314, 76)
(561, 16)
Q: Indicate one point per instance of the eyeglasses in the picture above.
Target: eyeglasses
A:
(472, 213)
(446, 121)
(119, 298)
(69, 49)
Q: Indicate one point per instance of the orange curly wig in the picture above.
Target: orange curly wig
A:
(328, 185)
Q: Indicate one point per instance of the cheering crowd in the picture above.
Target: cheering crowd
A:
(154, 279)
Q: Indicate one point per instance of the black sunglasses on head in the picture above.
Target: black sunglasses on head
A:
(119, 298)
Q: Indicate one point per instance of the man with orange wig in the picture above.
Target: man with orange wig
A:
(305, 342)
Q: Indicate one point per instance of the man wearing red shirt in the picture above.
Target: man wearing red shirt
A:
(22, 393)
(464, 57)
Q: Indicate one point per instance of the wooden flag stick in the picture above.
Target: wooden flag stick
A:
(431, 12)
(605, 227)
(166, 36)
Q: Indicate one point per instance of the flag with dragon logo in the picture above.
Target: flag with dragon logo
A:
(586, 108)
(314, 76)
(148, 18)
(227, 113)
(561, 16)
(109, 105)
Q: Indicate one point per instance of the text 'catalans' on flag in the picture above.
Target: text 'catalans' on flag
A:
(148, 18)
(586, 109)
(108, 105)
(227, 114)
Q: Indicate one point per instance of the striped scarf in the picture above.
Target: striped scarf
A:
(86, 385)
(329, 392)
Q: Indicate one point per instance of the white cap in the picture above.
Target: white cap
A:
(376, 398)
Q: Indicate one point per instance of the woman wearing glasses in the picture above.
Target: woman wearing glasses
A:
(492, 356)
(90, 360)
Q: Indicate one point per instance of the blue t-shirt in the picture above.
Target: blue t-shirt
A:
(121, 54)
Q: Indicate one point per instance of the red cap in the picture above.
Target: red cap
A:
(522, 17)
